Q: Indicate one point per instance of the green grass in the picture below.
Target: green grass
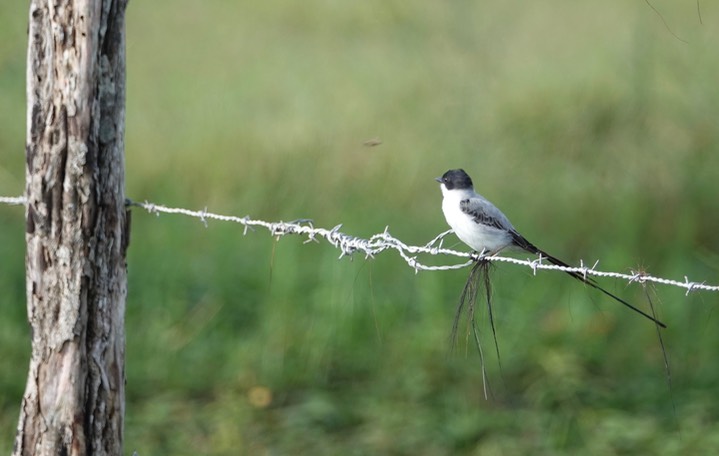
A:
(589, 124)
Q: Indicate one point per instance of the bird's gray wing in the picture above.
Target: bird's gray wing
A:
(485, 213)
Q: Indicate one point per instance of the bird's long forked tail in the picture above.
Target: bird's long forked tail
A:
(478, 277)
(521, 242)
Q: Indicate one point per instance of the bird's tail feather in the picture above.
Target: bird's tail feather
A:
(521, 242)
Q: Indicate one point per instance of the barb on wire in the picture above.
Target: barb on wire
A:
(380, 242)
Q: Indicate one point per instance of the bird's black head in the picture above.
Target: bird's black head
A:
(455, 179)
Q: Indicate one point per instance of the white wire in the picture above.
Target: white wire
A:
(349, 245)
(13, 200)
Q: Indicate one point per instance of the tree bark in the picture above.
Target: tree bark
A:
(77, 229)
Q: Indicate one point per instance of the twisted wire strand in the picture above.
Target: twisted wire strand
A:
(380, 242)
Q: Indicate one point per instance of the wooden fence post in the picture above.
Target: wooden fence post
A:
(77, 229)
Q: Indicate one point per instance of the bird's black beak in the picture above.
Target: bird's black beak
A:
(438, 179)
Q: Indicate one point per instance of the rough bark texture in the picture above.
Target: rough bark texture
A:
(77, 229)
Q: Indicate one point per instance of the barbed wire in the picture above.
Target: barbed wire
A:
(13, 200)
(380, 242)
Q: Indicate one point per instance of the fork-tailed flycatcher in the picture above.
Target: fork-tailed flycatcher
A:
(479, 224)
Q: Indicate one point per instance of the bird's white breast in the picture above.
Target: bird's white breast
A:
(478, 236)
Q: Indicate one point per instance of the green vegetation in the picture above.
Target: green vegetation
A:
(591, 126)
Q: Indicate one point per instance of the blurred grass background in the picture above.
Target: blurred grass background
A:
(588, 123)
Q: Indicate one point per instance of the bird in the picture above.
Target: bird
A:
(483, 227)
